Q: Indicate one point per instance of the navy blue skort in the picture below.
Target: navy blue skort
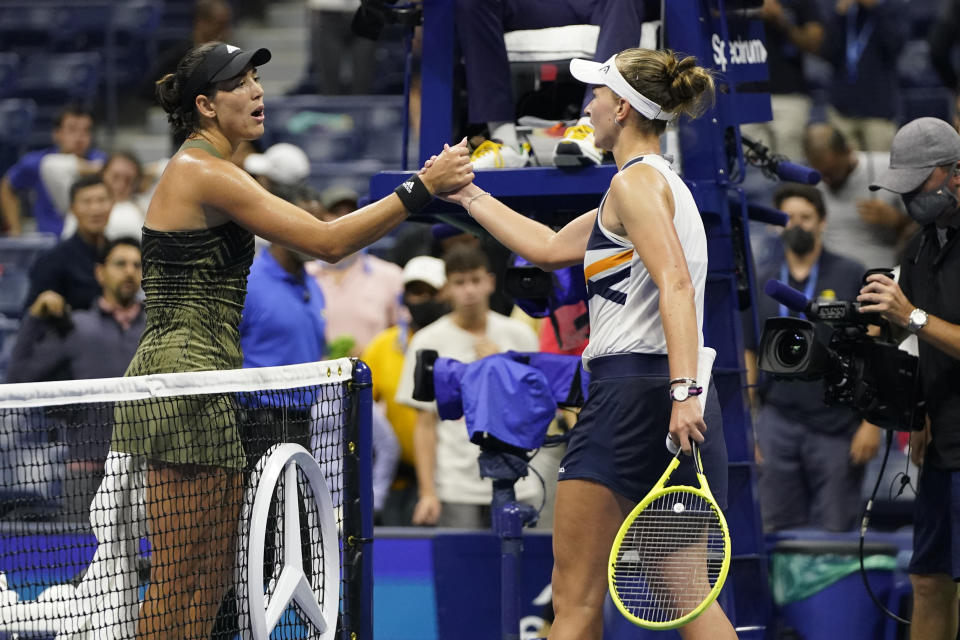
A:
(619, 439)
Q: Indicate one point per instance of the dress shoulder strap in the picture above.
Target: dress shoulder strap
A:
(196, 143)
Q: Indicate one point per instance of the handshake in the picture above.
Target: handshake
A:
(458, 188)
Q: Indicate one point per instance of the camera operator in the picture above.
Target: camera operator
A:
(812, 454)
(925, 170)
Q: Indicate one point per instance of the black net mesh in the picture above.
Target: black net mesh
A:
(207, 515)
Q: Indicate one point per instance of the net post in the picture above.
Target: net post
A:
(358, 512)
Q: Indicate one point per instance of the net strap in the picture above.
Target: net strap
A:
(165, 385)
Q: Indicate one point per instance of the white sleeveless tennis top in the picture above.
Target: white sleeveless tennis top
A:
(622, 297)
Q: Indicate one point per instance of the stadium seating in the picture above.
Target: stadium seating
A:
(60, 78)
(347, 138)
(31, 28)
(9, 74)
(83, 51)
(16, 257)
(16, 119)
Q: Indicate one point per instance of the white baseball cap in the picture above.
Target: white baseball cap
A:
(283, 162)
(425, 269)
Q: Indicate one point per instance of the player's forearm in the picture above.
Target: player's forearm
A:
(679, 315)
(425, 451)
(10, 206)
(355, 231)
(522, 235)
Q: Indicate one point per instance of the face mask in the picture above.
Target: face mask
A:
(428, 312)
(925, 207)
(798, 240)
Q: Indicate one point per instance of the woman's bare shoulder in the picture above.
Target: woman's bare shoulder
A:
(198, 163)
(192, 181)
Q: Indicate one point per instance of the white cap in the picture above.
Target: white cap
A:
(427, 269)
(332, 196)
(607, 74)
(283, 162)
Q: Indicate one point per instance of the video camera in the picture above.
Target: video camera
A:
(870, 374)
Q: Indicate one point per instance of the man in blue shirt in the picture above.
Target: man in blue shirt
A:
(283, 319)
(72, 133)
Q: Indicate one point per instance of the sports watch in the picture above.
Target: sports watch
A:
(918, 320)
(682, 392)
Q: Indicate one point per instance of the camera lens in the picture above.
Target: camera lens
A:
(791, 348)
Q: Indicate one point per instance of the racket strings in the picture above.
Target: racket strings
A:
(670, 558)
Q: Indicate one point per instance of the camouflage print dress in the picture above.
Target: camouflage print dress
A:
(195, 284)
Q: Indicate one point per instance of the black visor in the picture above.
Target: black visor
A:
(221, 63)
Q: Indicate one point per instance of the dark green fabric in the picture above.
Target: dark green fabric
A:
(195, 284)
(197, 143)
(795, 576)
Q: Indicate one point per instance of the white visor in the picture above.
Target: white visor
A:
(607, 74)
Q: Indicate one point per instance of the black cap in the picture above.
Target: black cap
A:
(221, 63)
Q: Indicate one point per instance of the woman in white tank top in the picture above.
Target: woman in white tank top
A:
(645, 258)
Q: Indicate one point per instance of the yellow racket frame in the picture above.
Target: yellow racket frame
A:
(659, 490)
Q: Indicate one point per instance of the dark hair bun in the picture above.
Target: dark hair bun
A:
(170, 88)
(168, 93)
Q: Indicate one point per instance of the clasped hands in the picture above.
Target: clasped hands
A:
(459, 193)
(449, 171)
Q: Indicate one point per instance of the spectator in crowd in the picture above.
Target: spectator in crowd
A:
(866, 227)
(212, 21)
(423, 280)
(64, 274)
(282, 164)
(362, 290)
(72, 134)
(864, 39)
(925, 170)
(480, 26)
(452, 494)
(123, 175)
(340, 61)
(54, 343)
(794, 28)
(813, 455)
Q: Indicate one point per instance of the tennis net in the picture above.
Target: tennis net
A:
(217, 504)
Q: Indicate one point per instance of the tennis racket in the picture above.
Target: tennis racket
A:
(672, 553)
